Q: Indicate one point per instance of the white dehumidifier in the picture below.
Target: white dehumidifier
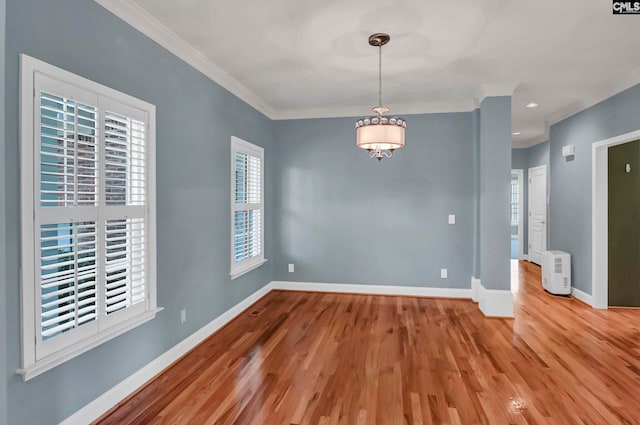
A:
(556, 272)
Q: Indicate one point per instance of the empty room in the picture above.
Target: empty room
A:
(315, 213)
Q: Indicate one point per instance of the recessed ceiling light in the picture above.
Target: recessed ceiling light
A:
(516, 133)
(532, 105)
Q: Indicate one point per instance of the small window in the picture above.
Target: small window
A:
(88, 214)
(247, 207)
(515, 203)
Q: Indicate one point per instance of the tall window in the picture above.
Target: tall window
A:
(247, 207)
(88, 231)
(515, 203)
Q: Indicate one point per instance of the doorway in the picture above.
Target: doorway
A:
(624, 225)
(537, 213)
(600, 214)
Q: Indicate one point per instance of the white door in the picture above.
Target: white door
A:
(537, 213)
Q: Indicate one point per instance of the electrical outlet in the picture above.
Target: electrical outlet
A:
(443, 273)
(452, 219)
(291, 268)
(183, 316)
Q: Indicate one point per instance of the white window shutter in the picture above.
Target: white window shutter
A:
(247, 206)
(88, 214)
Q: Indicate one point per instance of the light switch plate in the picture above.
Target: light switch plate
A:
(452, 219)
(291, 268)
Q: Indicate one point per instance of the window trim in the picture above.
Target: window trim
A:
(245, 266)
(31, 367)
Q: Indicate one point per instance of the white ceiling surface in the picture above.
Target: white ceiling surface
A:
(308, 59)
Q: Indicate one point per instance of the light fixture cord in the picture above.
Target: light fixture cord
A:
(380, 74)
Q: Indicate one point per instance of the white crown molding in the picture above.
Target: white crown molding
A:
(494, 90)
(358, 111)
(528, 143)
(144, 22)
(147, 24)
(586, 103)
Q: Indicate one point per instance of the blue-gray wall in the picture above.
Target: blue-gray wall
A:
(538, 155)
(195, 120)
(343, 217)
(570, 202)
(3, 238)
(495, 180)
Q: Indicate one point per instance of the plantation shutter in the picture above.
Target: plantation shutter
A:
(247, 205)
(66, 175)
(91, 206)
(124, 248)
(248, 220)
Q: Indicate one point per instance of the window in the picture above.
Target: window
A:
(515, 201)
(88, 214)
(247, 207)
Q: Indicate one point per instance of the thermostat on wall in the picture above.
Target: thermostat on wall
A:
(569, 150)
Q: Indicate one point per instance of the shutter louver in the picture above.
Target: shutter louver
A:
(247, 235)
(248, 199)
(68, 152)
(68, 273)
(125, 264)
(125, 166)
(248, 179)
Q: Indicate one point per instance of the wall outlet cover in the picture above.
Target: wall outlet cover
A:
(452, 219)
(291, 268)
(443, 273)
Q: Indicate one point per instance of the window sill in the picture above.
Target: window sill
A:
(237, 273)
(39, 367)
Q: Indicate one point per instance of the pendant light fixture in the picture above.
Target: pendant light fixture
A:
(380, 135)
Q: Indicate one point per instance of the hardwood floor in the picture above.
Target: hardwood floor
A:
(311, 358)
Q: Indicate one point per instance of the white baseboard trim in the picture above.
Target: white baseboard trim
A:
(475, 289)
(411, 291)
(525, 257)
(115, 395)
(495, 302)
(582, 296)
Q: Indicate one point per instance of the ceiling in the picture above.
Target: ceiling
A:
(311, 59)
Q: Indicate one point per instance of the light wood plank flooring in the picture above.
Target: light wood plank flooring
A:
(311, 358)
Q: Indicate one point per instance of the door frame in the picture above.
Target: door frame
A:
(546, 208)
(600, 217)
(520, 173)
